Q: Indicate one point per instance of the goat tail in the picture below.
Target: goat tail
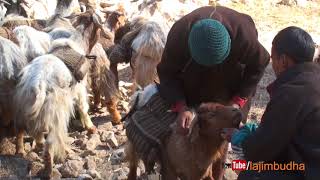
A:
(57, 110)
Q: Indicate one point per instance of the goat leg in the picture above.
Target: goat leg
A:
(83, 107)
(39, 142)
(114, 70)
(96, 95)
(48, 160)
(112, 108)
(20, 143)
(133, 161)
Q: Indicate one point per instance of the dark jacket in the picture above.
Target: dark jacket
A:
(290, 126)
(237, 76)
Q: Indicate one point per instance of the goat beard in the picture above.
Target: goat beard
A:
(144, 70)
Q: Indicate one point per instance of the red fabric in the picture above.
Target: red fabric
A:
(240, 101)
(178, 106)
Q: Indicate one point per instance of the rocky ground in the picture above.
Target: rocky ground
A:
(102, 156)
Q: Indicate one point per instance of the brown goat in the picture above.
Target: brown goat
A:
(35, 23)
(6, 33)
(192, 157)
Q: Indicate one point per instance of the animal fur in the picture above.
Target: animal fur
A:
(45, 102)
(148, 47)
(147, 40)
(32, 42)
(102, 82)
(6, 33)
(3, 11)
(12, 60)
(194, 156)
(13, 21)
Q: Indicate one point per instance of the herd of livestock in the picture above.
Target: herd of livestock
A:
(49, 66)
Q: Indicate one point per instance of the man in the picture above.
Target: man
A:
(211, 55)
(290, 127)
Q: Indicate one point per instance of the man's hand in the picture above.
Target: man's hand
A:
(184, 121)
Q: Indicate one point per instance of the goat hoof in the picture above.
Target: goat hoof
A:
(116, 118)
(92, 130)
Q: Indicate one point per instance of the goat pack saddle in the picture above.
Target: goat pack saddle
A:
(147, 128)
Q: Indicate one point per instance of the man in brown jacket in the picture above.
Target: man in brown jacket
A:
(211, 55)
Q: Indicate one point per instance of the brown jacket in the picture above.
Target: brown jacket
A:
(237, 76)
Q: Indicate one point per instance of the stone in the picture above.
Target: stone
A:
(72, 168)
(93, 142)
(119, 127)
(56, 174)
(32, 156)
(94, 174)
(36, 167)
(90, 163)
(112, 141)
(27, 147)
(104, 135)
(14, 166)
(74, 134)
(74, 157)
(89, 153)
(69, 140)
(106, 126)
(79, 142)
(84, 177)
(101, 153)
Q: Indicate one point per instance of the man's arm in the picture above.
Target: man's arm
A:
(277, 128)
(254, 56)
(173, 60)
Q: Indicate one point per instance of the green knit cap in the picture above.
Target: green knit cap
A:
(209, 42)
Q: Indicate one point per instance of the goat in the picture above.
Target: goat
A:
(103, 82)
(3, 11)
(102, 78)
(47, 90)
(196, 155)
(6, 33)
(45, 104)
(13, 21)
(32, 42)
(145, 41)
(193, 157)
(12, 60)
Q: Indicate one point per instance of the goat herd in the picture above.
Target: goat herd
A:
(48, 67)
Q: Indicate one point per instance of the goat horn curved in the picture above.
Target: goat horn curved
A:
(5, 2)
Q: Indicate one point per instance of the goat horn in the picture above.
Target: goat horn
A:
(5, 2)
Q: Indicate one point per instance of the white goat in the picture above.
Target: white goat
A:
(46, 94)
(12, 60)
(45, 104)
(3, 11)
(32, 42)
